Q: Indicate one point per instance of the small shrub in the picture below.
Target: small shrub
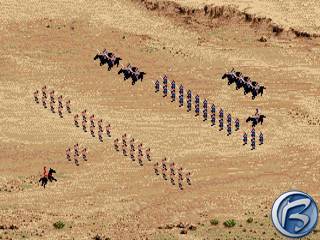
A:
(59, 225)
(229, 223)
(214, 221)
(250, 220)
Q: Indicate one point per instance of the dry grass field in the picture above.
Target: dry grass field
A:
(53, 43)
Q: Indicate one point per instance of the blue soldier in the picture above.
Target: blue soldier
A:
(261, 138)
(197, 105)
(213, 115)
(189, 96)
(221, 119)
(205, 110)
(173, 91)
(237, 124)
(245, 138)
(180, 96)
(253, 139)
(157, 86)
(165, 85)
(229, 120)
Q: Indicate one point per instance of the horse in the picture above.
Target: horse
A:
(239, 83)
(246, 88)
(111, 63)
(256, 120)
(126, 73)
(231, 78)
(260, 90)
(44, 179)
(102, 58)
(137, 76)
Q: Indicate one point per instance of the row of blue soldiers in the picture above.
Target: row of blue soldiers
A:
(253, 139)
(196, 105)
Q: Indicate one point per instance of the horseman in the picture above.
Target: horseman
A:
(45, 172)
(105, 53)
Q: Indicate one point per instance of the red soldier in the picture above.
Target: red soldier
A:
(36, 96)
(132, 154)
(52, 106)
(100, 135)
(92, 130)
(44, 91)
(100, 125)
(76, 120)
(180, 173)
(76, 149)
(188, 175)
(68, 106)
(140, 159)
(124, 139)
(164, 173)
(45, 173)
(132, 144)
(148, 154)
(155, 168)
(108, 130)
(92, 120)
(140, 149)
(60, 111)
(163, 161)
(172, 168)
(84, 115)
(68, 151)
(84, 154)
(84, 127)
(76, 159)
(52, 96)
(172, 178)
(116, 144)
(60, 101)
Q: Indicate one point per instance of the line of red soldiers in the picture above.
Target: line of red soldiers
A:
(76, 154)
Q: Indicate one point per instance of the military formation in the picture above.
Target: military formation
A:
(77, 154)
(232, 124)
(175, 174)
(241, 81)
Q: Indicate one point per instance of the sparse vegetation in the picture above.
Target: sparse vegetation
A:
(59, 225)
(230, 223)
(214, 221)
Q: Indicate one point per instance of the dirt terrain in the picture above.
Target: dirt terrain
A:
(53, 43)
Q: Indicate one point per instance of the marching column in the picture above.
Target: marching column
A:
(189, 100)
(221, 119)
(165, 85)
(213, 115)
(181, 96)
(229, 122)
(205, 110)
(173, 91)
(197, 105)
(253, 139)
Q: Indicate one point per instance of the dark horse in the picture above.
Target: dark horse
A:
(126, 73)
(231, 78)
(256, 120)
(257, 91)
(111, 63)
(44, 179)
(137, 76)
(102, 58)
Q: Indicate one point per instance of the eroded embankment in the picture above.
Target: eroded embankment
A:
(210, 15)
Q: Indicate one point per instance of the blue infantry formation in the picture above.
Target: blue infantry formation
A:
(197, 105)
(173, 91)
(229, 124)
(189, 98)
(205, 110)
(180, 96)
(221, 119)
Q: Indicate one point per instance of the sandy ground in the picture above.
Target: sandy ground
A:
(53, 43)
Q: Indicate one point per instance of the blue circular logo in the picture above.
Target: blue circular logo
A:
(294, 214)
